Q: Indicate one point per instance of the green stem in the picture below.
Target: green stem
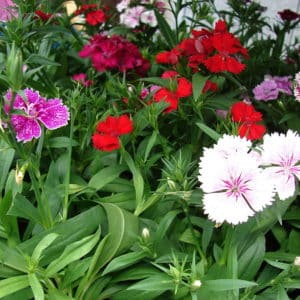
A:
(68, 171)
(185, 208)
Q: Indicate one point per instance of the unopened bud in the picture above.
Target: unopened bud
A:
(145, 233)
(20, 173)
(297, 261)
(171, 184)
(196, 284)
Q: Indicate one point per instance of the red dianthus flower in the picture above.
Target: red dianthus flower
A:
(108, 131)
(248, 118)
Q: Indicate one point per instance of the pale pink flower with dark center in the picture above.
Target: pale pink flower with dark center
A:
(34, 110)
(148, 17)
(236, 187)
(281, 158)
(131, 16)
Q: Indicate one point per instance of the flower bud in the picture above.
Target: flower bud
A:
(196, 284)
(145, 233)
(20, 173)
(297, 261)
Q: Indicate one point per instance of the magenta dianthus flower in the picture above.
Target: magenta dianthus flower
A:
(35, 109)
(114, 53)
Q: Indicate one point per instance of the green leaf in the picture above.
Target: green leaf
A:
(6, 158)
(160, 282)
(138, 180)
(124, 261)
(122, 230)
(251, 259)
(227, 284)
(36, 287)
(42, 245)
(105, 176)
(72, 253)
(209, 131)
(69, 231)
(22, 207)
(58, 295)
(166, 30)
(13, 284)
(41, 60)
(198, 81)
(165, 224)
(136, 272)
(61, 142)
(9, 223)
(150, 144)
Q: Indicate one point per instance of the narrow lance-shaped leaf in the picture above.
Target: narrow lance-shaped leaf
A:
(73, 252)
(36, 287)
(13, 284)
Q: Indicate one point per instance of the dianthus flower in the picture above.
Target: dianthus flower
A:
(36, 109)
(270, 88)
(42, 15)
(93, 15)
(248, 118)
(288, 15)
(114, 53)
(218, 50)
(281, 158)
(183, 89)
(8, 10)
(108, 132)
(239, 188)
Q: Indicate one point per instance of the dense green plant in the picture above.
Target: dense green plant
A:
(79, 223)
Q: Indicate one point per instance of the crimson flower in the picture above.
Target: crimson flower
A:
(209, 86)
(42, 15)
(288, 15)
(108, 132)
(114, 53)
(248, 118)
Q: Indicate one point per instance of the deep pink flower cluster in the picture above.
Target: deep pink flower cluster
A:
(114, 53)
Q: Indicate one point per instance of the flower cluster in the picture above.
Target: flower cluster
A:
(247, 117)
(114, 53)
(248, 179)
(180, 88)
(108, 132)
(218, 50)
(134, 15)
(34, 109)
(92, 14)
(270, 88)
